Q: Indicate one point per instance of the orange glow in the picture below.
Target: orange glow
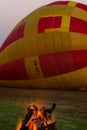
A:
(37, 118)
(19, 124)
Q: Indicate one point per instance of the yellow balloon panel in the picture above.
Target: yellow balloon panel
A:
(47, 49)
(74, 80)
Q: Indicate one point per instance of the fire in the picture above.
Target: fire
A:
(19, 124)
(38, 118)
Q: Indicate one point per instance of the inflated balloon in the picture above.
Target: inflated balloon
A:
(47, 49)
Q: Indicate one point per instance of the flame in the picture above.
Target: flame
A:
(39, 118)
(19, 124)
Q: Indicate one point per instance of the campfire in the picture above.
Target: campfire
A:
(38, 119)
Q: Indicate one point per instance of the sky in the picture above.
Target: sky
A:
(13, 11)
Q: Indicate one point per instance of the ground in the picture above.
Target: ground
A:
(70, 113)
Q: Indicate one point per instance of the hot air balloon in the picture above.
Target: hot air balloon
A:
(47, 49)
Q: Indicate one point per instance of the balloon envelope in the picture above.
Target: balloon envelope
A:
(47, 49)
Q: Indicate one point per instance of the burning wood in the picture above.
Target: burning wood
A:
(39, 119)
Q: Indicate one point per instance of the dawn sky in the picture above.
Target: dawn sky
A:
(12, 11)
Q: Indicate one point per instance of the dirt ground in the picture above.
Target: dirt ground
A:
(72, 102)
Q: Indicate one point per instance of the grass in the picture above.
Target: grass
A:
(11, 112)
(70, 113)
(9, 115)
(66, 122)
